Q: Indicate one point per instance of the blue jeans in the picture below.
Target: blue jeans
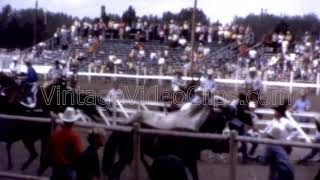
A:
(63, 173)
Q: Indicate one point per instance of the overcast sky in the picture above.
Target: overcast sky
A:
(223, 10)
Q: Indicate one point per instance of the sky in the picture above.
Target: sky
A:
(222, 10)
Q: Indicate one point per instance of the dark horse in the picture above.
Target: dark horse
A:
(14, 130)
(185, 148)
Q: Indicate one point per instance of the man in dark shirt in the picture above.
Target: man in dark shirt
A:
(88, 164)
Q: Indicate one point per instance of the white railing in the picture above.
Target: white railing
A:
(44, 70)
(127, 111)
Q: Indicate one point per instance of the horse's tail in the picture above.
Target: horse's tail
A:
(110, 150)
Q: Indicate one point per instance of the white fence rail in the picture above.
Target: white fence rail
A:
(44, 70)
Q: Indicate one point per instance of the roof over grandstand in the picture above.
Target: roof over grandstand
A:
(222, 10)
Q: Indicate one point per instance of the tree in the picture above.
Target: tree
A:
(129, 16)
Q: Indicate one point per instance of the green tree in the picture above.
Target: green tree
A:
(129, 16)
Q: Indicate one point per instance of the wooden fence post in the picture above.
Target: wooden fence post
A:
(233, 151)
(136, 151)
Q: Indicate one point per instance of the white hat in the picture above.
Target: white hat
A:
(69, 115)
(199, 89)
(63, 61)
(210, 72)
(161, 61)
(274, 132)
(176, 88)
(252, 69)
(15, 58)
(252, 105)
(118, 61)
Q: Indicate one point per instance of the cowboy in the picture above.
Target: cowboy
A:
(209, 85)
(30, 83)
(177, 82)
(276, 156)
(302, 105)
(65, 146)
(88, 163)
(288, 130)
(253, 81)
(252, 107)
(64, 69)
(198, 98)
(242, 118)
(14, 66)
(55, 73)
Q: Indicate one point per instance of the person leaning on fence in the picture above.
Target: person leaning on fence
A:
(314, 151)
(88, 163)
(65, 147)
(276, 157)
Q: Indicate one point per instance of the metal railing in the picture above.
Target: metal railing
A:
(233, 139)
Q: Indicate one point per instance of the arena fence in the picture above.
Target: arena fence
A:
(233, 138)
(41, 69)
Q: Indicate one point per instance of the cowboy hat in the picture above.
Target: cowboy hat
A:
(199, 89)
(252, 105)
(63, 61)
(15, 58)
(252, 69)
(274, 132)
(69, 115)
(210, 72)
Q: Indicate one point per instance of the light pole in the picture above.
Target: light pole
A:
(35, 23)
(193, 35)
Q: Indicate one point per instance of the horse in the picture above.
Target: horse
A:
(14, 130)
(188, 150)
(176, 98)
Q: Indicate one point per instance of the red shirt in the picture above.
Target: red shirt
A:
(65, 146)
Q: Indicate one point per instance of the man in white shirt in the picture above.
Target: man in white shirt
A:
(114, 94)
(15, 67)
(209, 85)
(253, 81)
(288, 130)
(55, 73)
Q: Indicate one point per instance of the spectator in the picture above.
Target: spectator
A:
(65, 147)
(302, 105)
(209, 85)
(88, 164)
(64, 69)
(15, 67)
(64, 38)
(55, 73)
(115, 93)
